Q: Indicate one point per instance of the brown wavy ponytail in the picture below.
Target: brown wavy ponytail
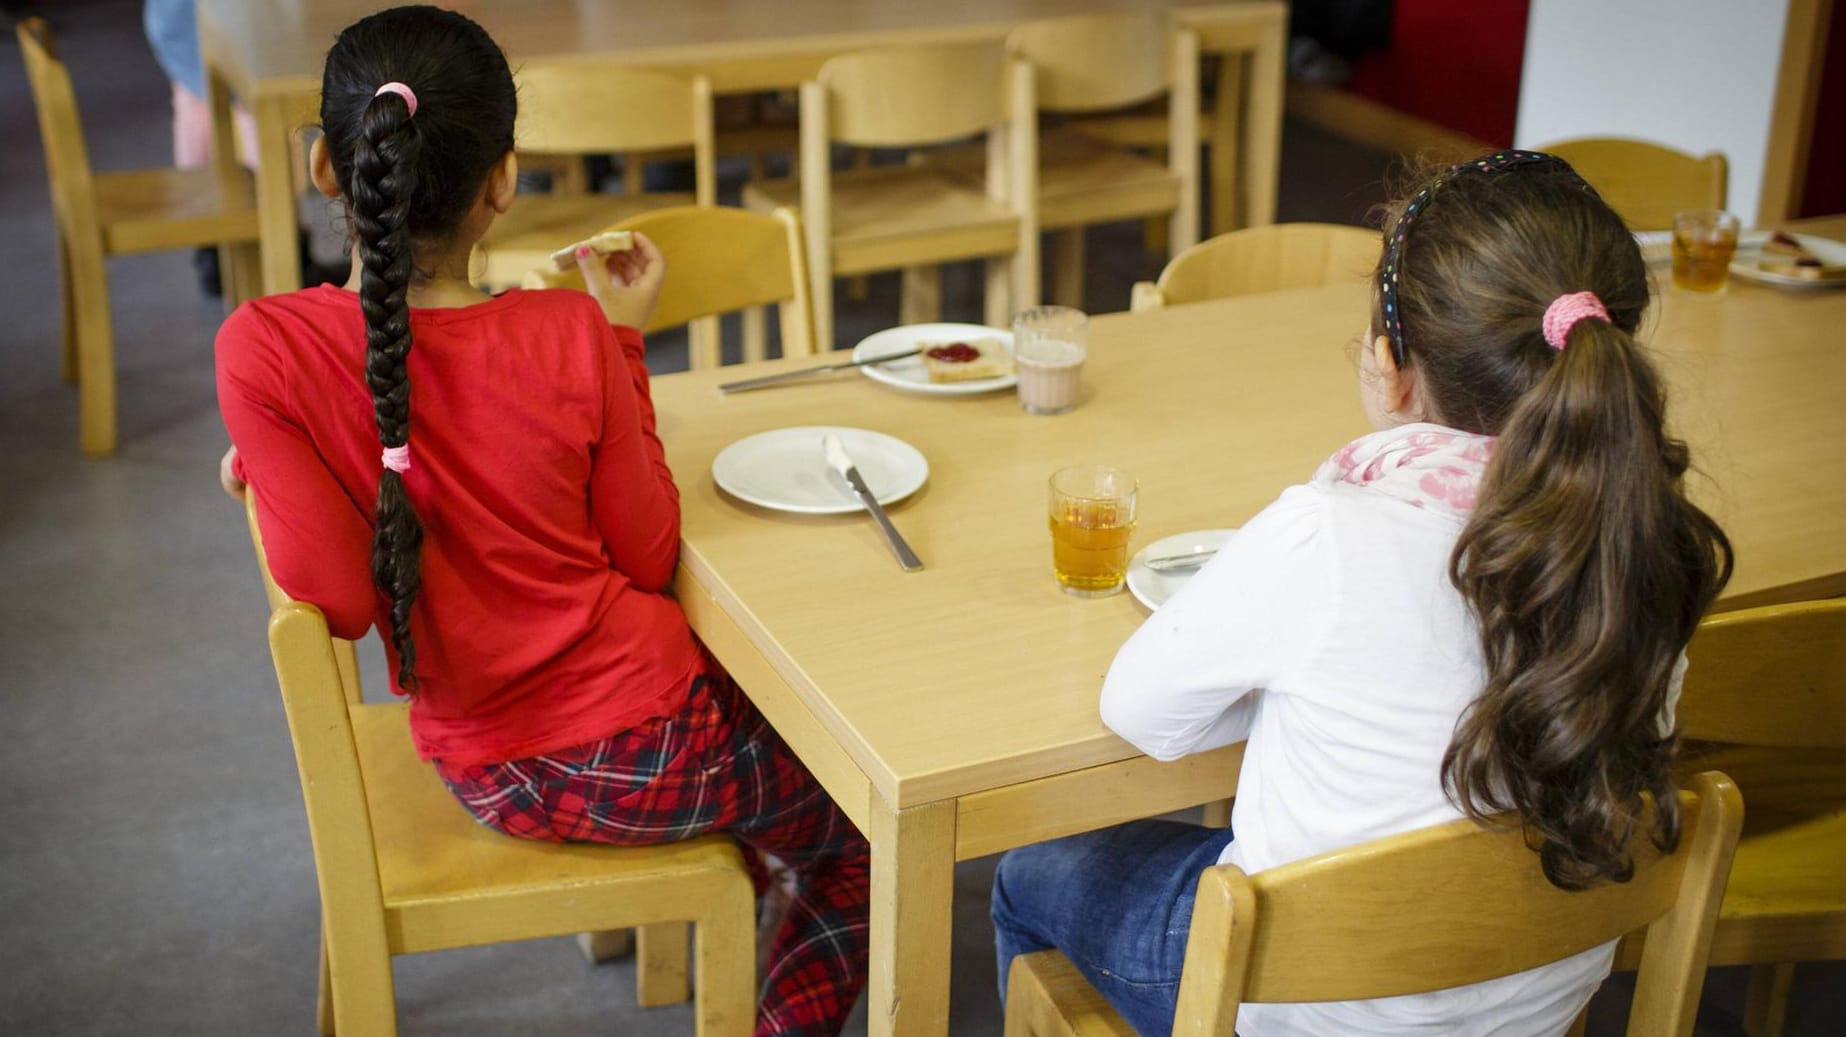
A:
(407, 180)
(1584, 563)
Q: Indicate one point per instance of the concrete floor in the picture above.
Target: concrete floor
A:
(156, 877)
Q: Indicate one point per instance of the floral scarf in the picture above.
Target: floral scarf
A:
(1424, 465)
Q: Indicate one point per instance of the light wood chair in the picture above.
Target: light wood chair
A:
(402, 868)
(721, 260)
(1101, 63)
(1646, 183)
(595, 108)
(1768, 685)
(1274, 258)
(102, 214)
(914, 217)
(1435, 908)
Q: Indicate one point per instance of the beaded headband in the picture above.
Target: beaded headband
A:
(1498, 162)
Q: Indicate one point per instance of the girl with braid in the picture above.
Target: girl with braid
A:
(479, 477)
(1481, 607)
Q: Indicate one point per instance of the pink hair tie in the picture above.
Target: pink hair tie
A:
(1564, 313)
(409, 95)
(397, 458)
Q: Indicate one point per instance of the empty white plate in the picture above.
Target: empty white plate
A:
(1153, 589)
(785, 470)
(908, 374)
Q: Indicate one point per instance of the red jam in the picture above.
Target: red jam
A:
(954, 353)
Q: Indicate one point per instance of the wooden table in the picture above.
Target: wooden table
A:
(269, 54)
(952, 712)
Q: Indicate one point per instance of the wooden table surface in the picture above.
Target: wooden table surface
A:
(269, 54)
(952, 712)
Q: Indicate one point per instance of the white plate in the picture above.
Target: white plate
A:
(785, 470)
(1750, 251)
(1153, 589)
(909, 374)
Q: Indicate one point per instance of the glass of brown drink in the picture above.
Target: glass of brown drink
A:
(1092, 515)
(1703, 242)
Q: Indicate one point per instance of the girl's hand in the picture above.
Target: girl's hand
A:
(625, 284)
(227, 476)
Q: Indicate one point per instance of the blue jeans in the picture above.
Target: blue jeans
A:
(1117, 903)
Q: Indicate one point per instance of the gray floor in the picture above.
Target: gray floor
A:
(155, 875)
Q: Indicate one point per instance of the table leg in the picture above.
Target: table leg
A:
(275, 196)
(913, 892)
(1263, 145)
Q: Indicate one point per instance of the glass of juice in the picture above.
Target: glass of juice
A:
(1092, 515)
(1703, 242)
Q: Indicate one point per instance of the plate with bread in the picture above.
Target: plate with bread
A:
(1791, 260)
(950, 360)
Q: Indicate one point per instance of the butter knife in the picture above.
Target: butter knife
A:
(1181, 563)
(789, 376)
(842, 463)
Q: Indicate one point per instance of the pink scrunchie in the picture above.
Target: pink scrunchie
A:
(409, 95)
(1564, 313)
(397, 458)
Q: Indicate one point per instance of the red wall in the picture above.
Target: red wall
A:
(1454, 63)
(1824, 193)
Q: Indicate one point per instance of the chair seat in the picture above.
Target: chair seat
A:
(1047, 984)
(537, 225)
(897, 216)
(1137, 129)
(1082, 180)
(150, 210)
(449, 881)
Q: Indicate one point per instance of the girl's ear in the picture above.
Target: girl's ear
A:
(1399, 390)
(503, 182)
(320, 168)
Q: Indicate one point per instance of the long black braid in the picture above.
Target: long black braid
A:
(408, 180)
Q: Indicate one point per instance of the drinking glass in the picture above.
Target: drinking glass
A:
(1049, 344)
(1092, 515)
(1703, 242)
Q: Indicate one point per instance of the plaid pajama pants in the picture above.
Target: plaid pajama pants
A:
(716, 766)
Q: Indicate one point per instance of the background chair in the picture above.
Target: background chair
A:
(403, 868)
(1416, 912)
(913, 217)
(98, 215)
(1765, 694)
(1274, 258)
(721, 261)
(591, 109)
(1646, 183)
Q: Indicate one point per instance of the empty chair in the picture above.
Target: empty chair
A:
(914, 216)
(719, 261)
(586, 109)
(1429, 909)
(1274, 258)
(101, 214)
(1646, 183)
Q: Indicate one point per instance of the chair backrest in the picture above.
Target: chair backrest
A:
(346, 658)
(1274, 258)
(1647, 183)
(584, 108)
(1098, 62)
(1451, 905)
(1771, 676)
(721, 260)
(914, 95)
(67, 158)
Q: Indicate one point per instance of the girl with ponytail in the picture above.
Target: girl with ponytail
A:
(1480, 608)
(515, 542)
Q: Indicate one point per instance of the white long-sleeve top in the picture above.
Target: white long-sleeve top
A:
(1328, 635)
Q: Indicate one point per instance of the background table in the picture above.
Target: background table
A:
(952, 712)
(269, 54)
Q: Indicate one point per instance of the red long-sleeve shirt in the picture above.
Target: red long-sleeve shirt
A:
(551, 522)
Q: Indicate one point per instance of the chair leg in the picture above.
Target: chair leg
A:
(95, 349)
(323, 1008)
(1067, 267)
(660, 964)
(998, 306)
(725, 944)
(243, 267)
(921, 300)
(607, 945)
(756, 333)
(1580, 1025)
(67, 300)
(1765, 1005)
(1155, 235)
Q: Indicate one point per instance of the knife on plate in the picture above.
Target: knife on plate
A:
(1182, 562)
(806, 372)
(842, 463)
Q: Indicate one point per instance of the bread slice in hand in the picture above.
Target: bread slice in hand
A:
(602, 244)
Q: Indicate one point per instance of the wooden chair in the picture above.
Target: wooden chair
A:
(1435, 908)
(913, 217)
(1646, 183)
(1274, 258)
(721, 260)
(403, 868)
(1100, 63)
(102, 214)
(1766, 692)
(586, 109)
